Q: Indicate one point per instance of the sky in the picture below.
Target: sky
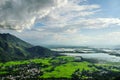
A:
(62, 22)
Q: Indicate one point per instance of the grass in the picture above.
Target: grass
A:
(109, 66)
(56, 67)
(66, 70)
(14, 63)
(1, 64)
(3, 72)
(44, 61)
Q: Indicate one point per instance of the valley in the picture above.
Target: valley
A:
(20, 60)
(81, 66)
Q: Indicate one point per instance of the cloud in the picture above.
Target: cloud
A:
(98, 23)
(111, 38)
(23, 14)
(55, 21)
(62, 19)
(62, 16)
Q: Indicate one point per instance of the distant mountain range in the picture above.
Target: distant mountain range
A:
(13, 48)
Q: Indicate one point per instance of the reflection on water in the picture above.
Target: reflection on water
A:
(97, 56)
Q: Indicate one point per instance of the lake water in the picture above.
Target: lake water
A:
(97, 56)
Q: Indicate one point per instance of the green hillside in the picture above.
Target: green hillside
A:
(13, 48)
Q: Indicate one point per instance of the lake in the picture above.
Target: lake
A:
(97, 56)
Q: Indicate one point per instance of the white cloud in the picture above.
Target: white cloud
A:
(112, 38)
(60, 17)
(62, 21)
(22, 14)
(71, 31)
(98, 23)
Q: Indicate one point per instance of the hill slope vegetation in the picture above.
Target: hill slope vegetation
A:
(13, 48)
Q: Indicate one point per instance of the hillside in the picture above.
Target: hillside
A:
(37, 51)
(13, 48)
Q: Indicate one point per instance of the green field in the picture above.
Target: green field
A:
(66, 70)
(55, 67)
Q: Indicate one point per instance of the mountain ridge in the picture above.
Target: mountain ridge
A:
(13, 48)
